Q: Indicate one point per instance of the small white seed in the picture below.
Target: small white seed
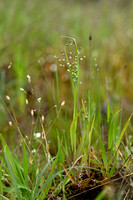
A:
(42, 118)
(63, 103)
(29, 78)
(39, 99)
(10, 123)
(32, 112)
(8, 98)
(22, 89)
(26, 101)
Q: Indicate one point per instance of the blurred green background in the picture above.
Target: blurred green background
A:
(30, 37)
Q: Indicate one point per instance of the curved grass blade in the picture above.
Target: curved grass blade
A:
(111, 130)
(123, 131)
(56, 174)
(103, 150)
(25, 164)
(3, 197)
(39, 179)
(112, 170)
(12, 173)
(1, 185)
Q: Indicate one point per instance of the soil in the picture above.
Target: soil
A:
(86, 189)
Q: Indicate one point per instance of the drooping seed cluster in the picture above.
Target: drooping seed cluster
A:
(70, 59)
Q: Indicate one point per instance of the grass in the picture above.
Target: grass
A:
(68, 135)
(73, 152)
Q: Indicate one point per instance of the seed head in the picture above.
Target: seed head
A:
(10, 123)
(33, 151)
(42, 118)
(8, 98)
(10, 65)
(26, 101)
(39, 99)
(29, 78)
(90, 37)
(32, 112)
(63, 103)
(22, 89)
(37, 135)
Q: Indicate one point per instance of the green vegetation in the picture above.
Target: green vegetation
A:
(66, 119)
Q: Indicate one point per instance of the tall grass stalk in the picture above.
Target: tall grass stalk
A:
(75, 89)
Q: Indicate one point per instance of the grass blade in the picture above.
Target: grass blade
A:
(12, 173)
(90, 134)
(123, 131)
(39, 178)
(3, 197)
(1, 186)
(25, 164)
(103, 150)
(108, 112)
(112, 170)
(111, 135)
